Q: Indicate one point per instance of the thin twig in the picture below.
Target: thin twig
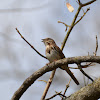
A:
(61, 95)
(70, 28)
(91, 63)
(79, 66)
(67, 86)
(29, 44)
(82, 16)
(87, 65)
(48, 84)
(87, 80)
(83, 66)
(53, 96)
(88, 3)
(95, 53)
(79, 2)
(64, 24)
(84, 80)
(43, 81)
(85, 83)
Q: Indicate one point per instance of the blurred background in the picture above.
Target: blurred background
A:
(37, 19)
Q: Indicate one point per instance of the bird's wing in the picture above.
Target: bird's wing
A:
(59, 52)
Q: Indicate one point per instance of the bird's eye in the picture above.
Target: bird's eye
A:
(48, 43)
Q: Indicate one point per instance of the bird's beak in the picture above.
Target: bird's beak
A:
(42, 40)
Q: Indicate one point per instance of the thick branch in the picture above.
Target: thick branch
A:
(30, 80)
(89, 92)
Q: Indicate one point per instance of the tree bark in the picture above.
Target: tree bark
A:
(89, 92)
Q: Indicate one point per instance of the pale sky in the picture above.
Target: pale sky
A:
(36, 20)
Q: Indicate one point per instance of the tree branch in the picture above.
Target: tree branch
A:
(67, 86)
(48, 84)
(82, 16)
(64, 24)
(95, 53)
(71, 60)
(71, 27)
(74, 20)
(80, 67)
(53, 96)
(88, 3)
(30, 44)
(89, 92)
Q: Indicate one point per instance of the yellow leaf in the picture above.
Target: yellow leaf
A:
(70, 8)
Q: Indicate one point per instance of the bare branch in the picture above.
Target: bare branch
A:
(70, 28)
(90, 64)
(96, 46)
(53, 96)
(82, 16)
(83, 66)
(79, 66)
(30, 80)
(61, 95)
(79, 2)
(48, 85)
(64, 24)
(88, 3)
(43, 81)
(67, 86)
(29, 44)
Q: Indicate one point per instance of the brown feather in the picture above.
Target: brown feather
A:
(53, 52)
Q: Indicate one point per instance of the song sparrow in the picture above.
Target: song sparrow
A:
(53, 53)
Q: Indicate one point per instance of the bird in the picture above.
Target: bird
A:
(53, 53)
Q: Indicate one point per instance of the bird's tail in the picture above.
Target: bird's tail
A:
(71, 75)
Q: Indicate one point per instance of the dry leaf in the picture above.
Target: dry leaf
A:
(70, 8)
